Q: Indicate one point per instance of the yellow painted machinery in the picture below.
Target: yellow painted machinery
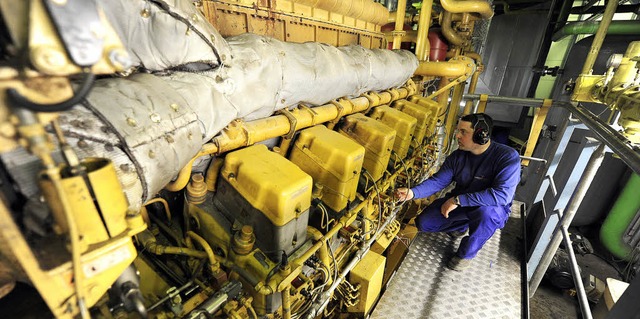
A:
(146, 193)
(375, 137)
(402, 123)
(233, 159)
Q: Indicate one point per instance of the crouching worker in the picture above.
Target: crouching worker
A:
(486, 175)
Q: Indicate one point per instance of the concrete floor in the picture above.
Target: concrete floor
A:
(551, 303)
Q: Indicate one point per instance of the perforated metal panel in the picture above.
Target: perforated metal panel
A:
(424, 287)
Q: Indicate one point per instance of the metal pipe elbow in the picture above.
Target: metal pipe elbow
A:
(455, 67)
(215, 265)
(480, 7)
(449, 33)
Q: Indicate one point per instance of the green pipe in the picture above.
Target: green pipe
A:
(619, 218)
(590, 27)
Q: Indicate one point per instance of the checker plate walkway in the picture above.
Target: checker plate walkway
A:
(424, 287)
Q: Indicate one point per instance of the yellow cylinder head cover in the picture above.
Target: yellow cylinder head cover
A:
(333, 160)
(376, 138)
(430, 105)
(264, 190)
(403, 124)
(420, 113)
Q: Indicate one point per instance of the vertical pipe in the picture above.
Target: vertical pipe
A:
(577, 278)
(397, 36)
(422, 40)
(572, 207)
(454, 108)
(472, 90)
(443, 98)
(286, 304)
(211, 177)
(599, 37)
(452, 36)
(322, 251)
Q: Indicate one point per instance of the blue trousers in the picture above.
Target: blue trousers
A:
(482, 222)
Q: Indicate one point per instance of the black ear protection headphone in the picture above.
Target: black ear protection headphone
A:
(481, 132)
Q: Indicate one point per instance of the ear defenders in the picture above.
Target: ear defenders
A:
(481, 132)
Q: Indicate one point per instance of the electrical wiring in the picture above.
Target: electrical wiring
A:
(379, 200)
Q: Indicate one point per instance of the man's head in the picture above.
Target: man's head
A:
(474, 132)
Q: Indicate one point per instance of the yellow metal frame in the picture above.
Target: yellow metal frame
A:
(584, 90)
(55, 285)
(296, 21)
(536, 128)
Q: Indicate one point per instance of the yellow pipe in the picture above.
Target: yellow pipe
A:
(446, 88)
(443, 99)
(286, 304)
(215, 265)
(239, 134)
(323, 252)
(452, 68)
(451, 120)
(185, 173)
(313, 249)
(474, 79)
(164, 203)
(451, 35)
(399, 28)
(456, 98)
(147, 240)
(472, 90)
(453, 52)
(483, 8)
(475, 56)
(467, 23)
(244, 134)
(212, 173)
(284, 145)
(347, 219)
(151, 218)
(408, 18)
(422, 40)
(599, 37)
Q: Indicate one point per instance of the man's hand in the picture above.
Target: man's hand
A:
(403, 194)
(448, 206)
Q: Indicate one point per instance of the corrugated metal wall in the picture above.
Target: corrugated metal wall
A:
(510, 53)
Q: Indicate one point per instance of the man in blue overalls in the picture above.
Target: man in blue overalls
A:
(486, 175)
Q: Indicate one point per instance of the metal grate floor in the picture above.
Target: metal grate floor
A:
(424, 287)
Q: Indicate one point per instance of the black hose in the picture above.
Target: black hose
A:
(20, 101)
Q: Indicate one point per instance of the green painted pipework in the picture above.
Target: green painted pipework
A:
(619, 218)
(590, 27)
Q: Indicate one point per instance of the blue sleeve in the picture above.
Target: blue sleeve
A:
(437, 181)
(503, 188)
